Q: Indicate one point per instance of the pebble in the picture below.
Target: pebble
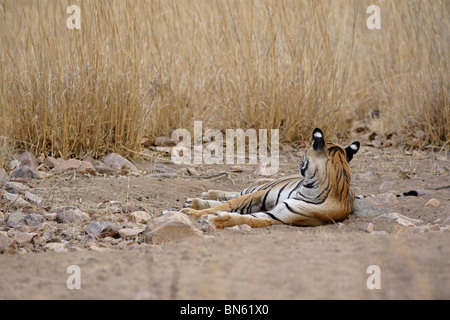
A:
(140, 217)
(432, 203)
(116, 161)
(23, 238)
(364, 208)
(171, 227)
(51, 162)
(367, 227)
(74, 216)
(128, 233)
(104, 228)
(4, 178)
(56, 247)
(17, 186)
(32, 198)
(25, 172)
(28, 159)
(33, 219)
(6, 244)
(67, 165)
(162, 168)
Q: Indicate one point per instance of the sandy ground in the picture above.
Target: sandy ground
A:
(279, 262)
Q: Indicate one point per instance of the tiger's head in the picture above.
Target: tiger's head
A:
(321, 154)
(326, 173)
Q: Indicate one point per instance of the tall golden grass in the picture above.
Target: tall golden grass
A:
(142, 68)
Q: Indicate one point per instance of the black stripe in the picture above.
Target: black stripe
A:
(293, 211)
(274, 218)
(296, 188)
(263, 205)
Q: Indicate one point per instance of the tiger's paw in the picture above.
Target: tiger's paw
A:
(193, 214)
(194, 203)
(220, 220)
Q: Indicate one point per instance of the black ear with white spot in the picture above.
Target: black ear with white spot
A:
(352, 150)
(318, 140)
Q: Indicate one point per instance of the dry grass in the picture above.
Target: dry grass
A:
(145, 67)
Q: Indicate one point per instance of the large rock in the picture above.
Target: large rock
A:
(172, 226)
(116, 161)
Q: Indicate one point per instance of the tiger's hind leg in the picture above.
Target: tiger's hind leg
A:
(210, 199)
(219, 195)
(230, 219)
(251, 201)
(200, 204)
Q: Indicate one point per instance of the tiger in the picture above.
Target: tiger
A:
(320, 194)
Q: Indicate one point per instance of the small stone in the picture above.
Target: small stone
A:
(102, 168)
(140, 217)
(15, 219)
(162, 168)
(364, 208)
(17, 186)
(33, 219)
(23, 238)
(32, 198)
(171, 227)
(14, 164)
(432, 203)
(192, 171)
(6, 244)
(104, 228)
(236, 168)
(28, 159)
(128, 233)
(25, 172)
(51, 162)
(72, 216)
(405, 222)
(116, 161)
(87, 167)
(367, 227)
(67, 165)
(4, 178)
(16, 201)
(56, 247)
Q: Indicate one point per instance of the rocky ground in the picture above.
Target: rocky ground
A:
(106, 217)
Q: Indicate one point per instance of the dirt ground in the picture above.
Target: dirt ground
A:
(278, 262)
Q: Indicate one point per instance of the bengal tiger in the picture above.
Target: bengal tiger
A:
(319, 195)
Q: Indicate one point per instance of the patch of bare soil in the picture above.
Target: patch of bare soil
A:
(280, 262)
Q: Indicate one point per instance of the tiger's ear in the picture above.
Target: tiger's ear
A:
(318, 140)
(352, 150)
